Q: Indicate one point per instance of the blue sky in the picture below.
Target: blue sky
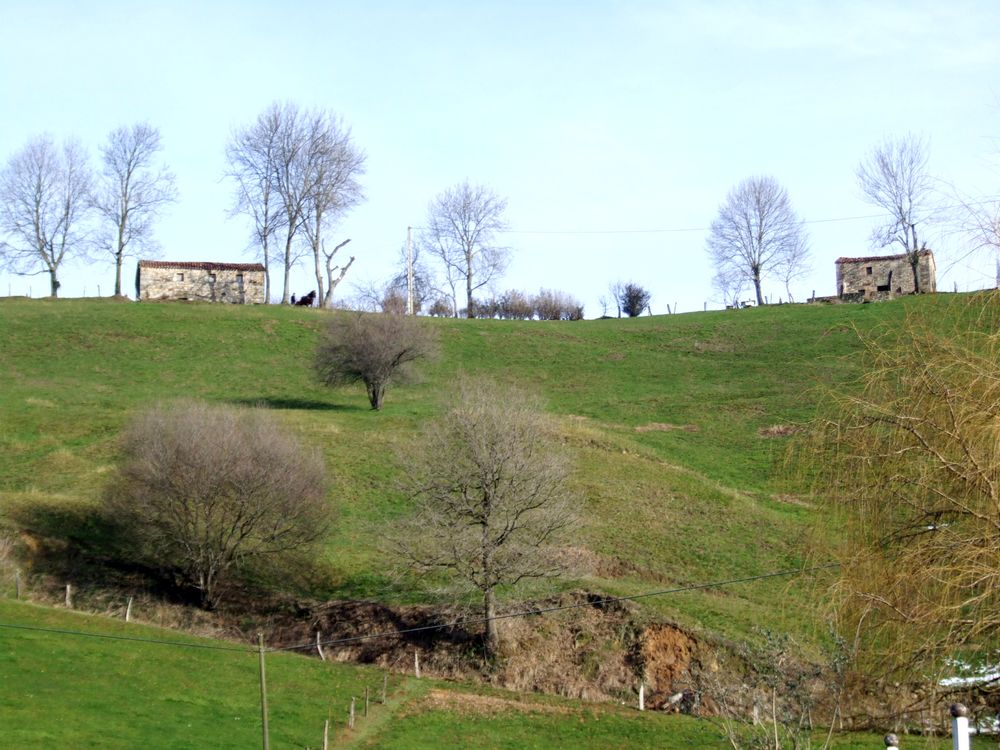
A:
(597, 121)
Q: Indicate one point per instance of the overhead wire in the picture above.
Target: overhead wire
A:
(674, 230)
(108, 636)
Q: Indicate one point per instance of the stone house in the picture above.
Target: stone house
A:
(881, 276)
(236, 283)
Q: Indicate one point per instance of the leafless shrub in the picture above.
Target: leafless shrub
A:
(441, 308)
(515, 305)
(551, 304)
(202, 491)
(371, 348)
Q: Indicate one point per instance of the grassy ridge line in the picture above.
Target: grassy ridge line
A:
(687, 500)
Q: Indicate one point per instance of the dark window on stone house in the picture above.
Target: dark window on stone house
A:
(868, 271)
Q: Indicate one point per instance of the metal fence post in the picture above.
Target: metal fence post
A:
(959, 727)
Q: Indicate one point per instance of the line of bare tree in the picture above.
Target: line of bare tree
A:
(54, 208)
(296, 175)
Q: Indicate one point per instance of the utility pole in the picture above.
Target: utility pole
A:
(409, 270)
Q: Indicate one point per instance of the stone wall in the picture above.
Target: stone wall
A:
(884, 276)
(235, 283)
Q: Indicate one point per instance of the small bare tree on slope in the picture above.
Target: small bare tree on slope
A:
(491, 495)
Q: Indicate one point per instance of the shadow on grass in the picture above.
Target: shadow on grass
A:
(84, 547)
(297, 403)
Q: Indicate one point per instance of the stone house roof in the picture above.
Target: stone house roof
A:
(873, 258)
(201, 266)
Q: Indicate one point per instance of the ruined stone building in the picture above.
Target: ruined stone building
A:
(882, 276)
(236, 283)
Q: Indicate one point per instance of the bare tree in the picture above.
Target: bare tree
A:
(132, 190)
(332, 164)
(44, 201)
(491, 494)
(730, 281)
(757, 234)
(296, 173)
(205, 490)
(390, 296)
(909, 467)
(461, 224)
(252, 157)
(372, 348)
(616, 288)
(894, 177)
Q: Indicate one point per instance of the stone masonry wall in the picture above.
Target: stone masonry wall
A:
(241, 284)
(886, 275)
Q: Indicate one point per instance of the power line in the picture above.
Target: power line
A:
(679, 230)
(556, 608)
(105, 636)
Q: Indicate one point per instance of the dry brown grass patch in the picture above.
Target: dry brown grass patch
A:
(666, 427)
(779, 430)
(472, 704)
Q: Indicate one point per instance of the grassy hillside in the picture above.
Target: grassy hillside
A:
(62, 688)
(663, 416)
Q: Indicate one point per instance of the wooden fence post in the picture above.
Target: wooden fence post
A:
(385, 684)
(265, 734)
(891, 740)
(350, 720)
(69, 596)
(416, 664)
(326, 735)
(17, 583)
(128, 610)
(959, 727)
(642, 697)
(366, 701)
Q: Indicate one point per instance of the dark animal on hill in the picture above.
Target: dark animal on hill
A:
(307, 300)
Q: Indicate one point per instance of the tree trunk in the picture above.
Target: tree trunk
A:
(267, 280)
(756, 286)
(376, 391)
(118, 274)
(53, 282)
(492, 631)
(915, 265)
(286, 291)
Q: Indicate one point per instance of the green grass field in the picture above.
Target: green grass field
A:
(662, 415)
